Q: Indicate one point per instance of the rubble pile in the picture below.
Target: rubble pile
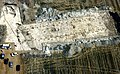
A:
(50, 14)
(88, 24)
(46, 14)
(79, 44)
(68, 26)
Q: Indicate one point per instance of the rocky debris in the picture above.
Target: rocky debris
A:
(28, 16)
(70, 48)
(50, 14)
(78, 24)
(46, 14)
(89, 24)
(99, 41)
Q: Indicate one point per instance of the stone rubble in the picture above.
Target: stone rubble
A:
(89, 25)
(50, 14)
(61, 27)
(79, 44)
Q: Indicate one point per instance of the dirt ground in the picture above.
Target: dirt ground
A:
(5, 69)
